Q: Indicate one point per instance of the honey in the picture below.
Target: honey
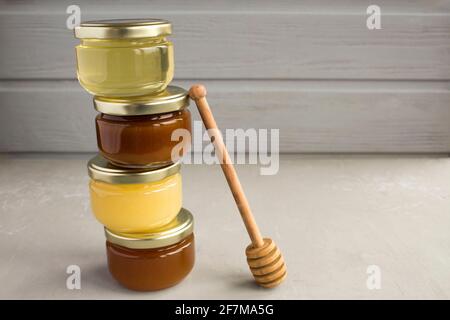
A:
(134, 201)
(138, 132)
(143, 129)
(156, 260)
(123, 58)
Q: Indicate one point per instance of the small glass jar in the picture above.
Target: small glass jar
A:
(124, 58)
(155, 260)
(134, 200)
(137, 133)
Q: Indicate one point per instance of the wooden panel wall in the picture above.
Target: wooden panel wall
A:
(309, 68)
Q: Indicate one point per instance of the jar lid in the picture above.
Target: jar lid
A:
(177, 230)
(100, 169)
(123, 29)
(172, 99)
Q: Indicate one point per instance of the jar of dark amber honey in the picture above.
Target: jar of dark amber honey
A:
(155, 260)
(138, 132)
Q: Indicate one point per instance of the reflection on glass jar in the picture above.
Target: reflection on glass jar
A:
(132, 200)
(138, 132)
(156, 260)
(123, 58)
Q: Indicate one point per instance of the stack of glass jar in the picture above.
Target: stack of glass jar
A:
(135, 182)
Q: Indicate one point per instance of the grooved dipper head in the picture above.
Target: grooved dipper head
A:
(266, 264)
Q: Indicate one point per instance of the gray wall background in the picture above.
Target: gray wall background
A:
(310, 68)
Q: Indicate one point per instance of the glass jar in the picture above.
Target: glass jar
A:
(134, 200)
(155, 260)
(137, 132)
(123, 58)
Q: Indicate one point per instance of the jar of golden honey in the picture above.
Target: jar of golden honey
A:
(134, 200)
(139, 132)
(156, 260)
(124, 58)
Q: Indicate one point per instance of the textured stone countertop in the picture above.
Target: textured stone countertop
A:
(332, 216)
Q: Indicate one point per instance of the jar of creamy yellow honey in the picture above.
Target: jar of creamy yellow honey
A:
(134, 200)
(124, 58)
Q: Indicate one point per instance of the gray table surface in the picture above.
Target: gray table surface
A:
(332, 216)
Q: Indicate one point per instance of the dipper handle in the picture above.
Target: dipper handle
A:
(198, 94)
(263, 257)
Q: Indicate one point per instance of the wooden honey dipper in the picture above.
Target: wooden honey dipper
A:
(263, 256)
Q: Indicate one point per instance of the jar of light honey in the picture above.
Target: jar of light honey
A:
(123, 58)
(138, 132)
(155, 260)
(134, 200)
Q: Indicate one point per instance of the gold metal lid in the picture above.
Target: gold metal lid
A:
(177, 230)
(100, 169)
(123, 29)
(172, 99)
